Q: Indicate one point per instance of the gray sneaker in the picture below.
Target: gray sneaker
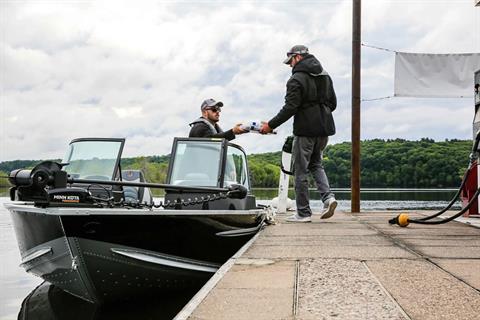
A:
(330, 206)
(297, 219)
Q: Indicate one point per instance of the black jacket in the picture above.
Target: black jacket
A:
(202, 128)
(309, 91)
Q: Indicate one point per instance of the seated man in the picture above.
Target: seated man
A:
(207, 127)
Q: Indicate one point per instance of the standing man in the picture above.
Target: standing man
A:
(207, 126)
(310, 99)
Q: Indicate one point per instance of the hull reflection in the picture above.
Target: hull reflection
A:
(48, 302)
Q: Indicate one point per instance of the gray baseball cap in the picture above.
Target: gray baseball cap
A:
(210, 103)
(298, 49)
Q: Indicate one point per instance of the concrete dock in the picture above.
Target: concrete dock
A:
(348, 267)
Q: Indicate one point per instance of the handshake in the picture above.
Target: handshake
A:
(261, 127)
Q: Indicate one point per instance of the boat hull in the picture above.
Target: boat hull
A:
(115, 254)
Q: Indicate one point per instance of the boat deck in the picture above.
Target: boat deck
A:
(348, 267)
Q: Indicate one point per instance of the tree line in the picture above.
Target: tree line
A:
(400, 163)
(395, 163)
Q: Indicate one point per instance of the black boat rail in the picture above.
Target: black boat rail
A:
(148, 185)
(234, 191)
(47, 183)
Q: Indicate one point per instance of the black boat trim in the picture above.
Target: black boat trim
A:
(240, 232)
(167, 260)
(36, 254)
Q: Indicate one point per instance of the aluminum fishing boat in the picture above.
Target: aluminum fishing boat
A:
(94, 230)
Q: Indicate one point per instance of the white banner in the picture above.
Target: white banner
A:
(435, 75)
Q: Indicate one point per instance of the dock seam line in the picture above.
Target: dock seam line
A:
(426, 258)
(392, 239)
(295, 288)
(212, 282)
(405, 314)
(451, 274)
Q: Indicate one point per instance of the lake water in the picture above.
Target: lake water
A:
(16, 284)
(377, 199)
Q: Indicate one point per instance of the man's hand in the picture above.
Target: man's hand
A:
(265, 128)
(237, 129)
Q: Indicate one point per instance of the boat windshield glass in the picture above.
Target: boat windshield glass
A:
(92, 159)
(196, 163)
(236, 168)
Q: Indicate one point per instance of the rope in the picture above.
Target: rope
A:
(378, 48)
(374, 99)
(383, 49)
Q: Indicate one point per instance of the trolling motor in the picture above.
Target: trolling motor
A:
(403, 220)
(46, 184)
(36, 184)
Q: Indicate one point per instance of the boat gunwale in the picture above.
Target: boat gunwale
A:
(86, 211)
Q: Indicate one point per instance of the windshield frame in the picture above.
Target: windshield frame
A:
(223, 158)
(116, 168)
(221, 168)
(247, 178)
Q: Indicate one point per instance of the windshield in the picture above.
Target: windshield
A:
(236, 171)
(92, 159)
(196, 163)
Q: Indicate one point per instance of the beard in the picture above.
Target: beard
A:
(213, 118)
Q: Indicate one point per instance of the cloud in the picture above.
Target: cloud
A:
(141, 69)
(433, 118)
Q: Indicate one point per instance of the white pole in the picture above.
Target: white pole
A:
(283, 183)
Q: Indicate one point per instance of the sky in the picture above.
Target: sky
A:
(140, 69)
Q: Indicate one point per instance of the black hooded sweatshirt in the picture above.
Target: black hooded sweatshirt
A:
(309, 88)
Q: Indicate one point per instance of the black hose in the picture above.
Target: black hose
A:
(476, 142)
(455, 216)
(425, 220)
(473, 156)
(454, 199)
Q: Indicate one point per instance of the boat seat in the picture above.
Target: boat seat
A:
(130, 194)
(136, 194)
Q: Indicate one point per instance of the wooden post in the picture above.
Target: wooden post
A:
(356, 94)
